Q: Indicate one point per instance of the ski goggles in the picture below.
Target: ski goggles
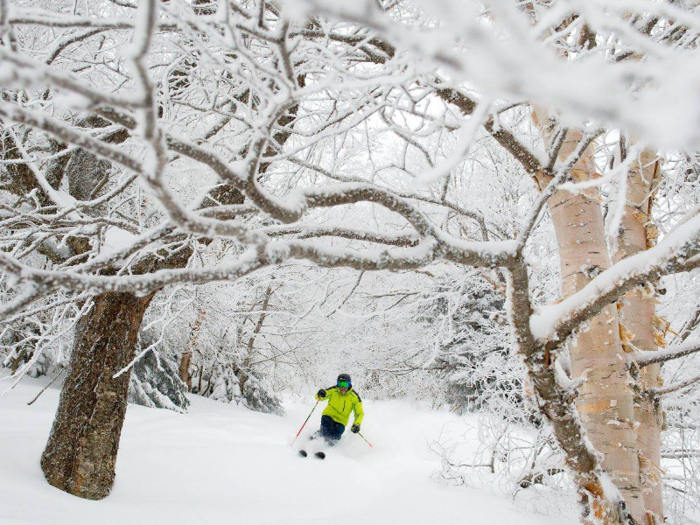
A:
(343, 384)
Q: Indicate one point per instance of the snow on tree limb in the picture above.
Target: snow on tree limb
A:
(675, 253)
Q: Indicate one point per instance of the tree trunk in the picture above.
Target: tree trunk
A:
(606, 398)
(184, 370)
(186, 360)
(81, 452)
(639, 322)
(243, 372)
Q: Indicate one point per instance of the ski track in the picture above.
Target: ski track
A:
(224, 464)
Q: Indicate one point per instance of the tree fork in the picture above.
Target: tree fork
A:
(557, 406)
(81, 452)
(605, 401)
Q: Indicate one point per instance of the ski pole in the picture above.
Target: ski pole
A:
(305, 422)
(363, 437)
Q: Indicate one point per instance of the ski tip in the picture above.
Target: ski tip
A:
(320, 455)
(303, 453)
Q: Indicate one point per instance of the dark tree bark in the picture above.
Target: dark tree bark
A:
(81, 452)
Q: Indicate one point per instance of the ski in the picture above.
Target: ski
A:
(319, 455)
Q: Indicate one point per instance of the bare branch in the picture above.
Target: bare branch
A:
(676, 387)
(667, 354)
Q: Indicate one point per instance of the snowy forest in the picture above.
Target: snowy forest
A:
(487, 213)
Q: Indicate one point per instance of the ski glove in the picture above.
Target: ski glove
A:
(321, 393)
(355, 429)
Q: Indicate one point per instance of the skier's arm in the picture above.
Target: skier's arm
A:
(359, 412)
(323, 394)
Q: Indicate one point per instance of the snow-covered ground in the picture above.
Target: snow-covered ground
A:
(225, 464)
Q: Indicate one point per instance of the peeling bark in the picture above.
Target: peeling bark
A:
(606, 398)
(557, 405)
(639, 329)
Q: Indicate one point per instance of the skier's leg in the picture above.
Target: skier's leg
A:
(336, 433)
(327, 428)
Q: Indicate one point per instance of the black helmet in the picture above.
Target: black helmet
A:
(344, 377)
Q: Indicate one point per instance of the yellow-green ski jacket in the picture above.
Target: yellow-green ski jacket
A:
(340, 406)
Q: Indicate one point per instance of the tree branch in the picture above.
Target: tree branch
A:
(661, 356)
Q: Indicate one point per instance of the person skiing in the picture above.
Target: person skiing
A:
(342, 400)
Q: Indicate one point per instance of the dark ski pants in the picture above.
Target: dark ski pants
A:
(331, 430)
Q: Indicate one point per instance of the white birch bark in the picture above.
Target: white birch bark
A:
(606, 398)
(640, 330)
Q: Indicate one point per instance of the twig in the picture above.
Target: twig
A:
(46, 387)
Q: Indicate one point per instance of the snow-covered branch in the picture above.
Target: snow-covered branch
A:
(675, 253)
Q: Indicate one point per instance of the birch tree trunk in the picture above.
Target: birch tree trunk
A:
(186, 360)
(606, 398)
(641, 331)
(81, 452)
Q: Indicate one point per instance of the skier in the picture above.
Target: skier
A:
(342, 400)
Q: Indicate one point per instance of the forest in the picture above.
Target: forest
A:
(487, 213)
